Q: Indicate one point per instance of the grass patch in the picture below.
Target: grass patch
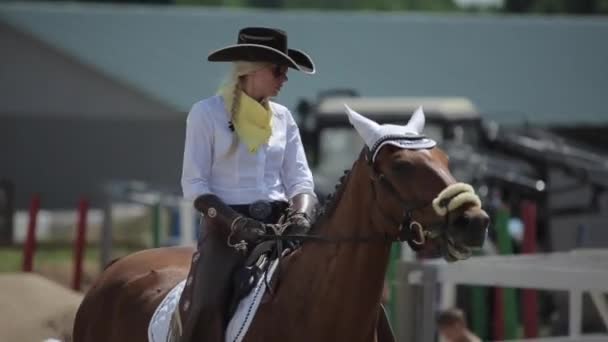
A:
(11, 258)
(56, 262)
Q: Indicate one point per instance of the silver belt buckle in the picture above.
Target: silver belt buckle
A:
(260, 210)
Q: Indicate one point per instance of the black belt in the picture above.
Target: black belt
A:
(265, 211)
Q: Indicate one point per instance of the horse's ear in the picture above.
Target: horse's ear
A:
(368, 129)
(416, 123)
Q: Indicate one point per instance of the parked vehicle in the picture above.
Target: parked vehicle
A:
(454, 122)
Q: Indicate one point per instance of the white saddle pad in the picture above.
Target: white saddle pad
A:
(158, 329)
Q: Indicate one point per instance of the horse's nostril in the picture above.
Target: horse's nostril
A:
(486, 221)
(474, 221)
(471, 228)
(480, 221)
(462, 221)
(477, 229)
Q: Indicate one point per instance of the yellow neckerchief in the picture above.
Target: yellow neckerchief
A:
(252, 121)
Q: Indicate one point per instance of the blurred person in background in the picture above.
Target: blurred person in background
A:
(452, 327)
(244, 168)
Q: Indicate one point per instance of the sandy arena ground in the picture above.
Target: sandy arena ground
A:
(34, 308)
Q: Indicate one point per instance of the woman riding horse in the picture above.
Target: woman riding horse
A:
(243, 161)
(330, 288)
(242, 148)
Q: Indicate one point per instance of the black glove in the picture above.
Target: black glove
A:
(301, 214)
(297, 224)
(247, 229)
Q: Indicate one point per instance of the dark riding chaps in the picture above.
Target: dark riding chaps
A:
(203, 306)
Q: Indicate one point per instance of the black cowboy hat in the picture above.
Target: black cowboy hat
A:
(261, 44)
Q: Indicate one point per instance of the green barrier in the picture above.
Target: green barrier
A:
(391, 274)
(509, 298)
(156, 225)
(480, 311)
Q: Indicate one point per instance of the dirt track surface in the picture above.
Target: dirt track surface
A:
(33, 308)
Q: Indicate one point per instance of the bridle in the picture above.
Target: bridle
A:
(409, 230)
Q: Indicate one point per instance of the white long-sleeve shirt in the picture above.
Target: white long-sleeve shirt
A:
(277, 171)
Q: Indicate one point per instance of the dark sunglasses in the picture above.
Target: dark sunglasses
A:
(278, 72)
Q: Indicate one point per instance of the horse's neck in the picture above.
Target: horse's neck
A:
(353, 272)
(352, 218)
(352, 215)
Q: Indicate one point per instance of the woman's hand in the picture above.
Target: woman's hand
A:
(300, 214)
(297, 223)
(247, 229)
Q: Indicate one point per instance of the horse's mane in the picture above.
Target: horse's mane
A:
(333, 199)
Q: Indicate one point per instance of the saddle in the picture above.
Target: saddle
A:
(247, 276)
(221, 276)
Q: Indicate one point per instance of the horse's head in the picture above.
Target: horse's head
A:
(415, 195)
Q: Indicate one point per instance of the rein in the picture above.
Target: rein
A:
(378, 237)
(410, 230)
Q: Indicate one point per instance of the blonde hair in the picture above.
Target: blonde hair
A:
(232, 84)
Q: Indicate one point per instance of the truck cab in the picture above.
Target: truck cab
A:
(332, 145)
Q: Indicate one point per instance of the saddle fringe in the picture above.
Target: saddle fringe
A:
(175, 327)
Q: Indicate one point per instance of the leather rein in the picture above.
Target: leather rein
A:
(410, 230)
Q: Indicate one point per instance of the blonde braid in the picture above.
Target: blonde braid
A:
(234, 109)
(239, 71)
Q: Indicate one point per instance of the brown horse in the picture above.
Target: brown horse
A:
(330, 288)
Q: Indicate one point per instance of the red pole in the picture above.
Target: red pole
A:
(79, 242)
(499, 314)
(529, 298)
(30, 240)
(528, 215)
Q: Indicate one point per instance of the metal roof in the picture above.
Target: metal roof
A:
(453, 108)
(546, 70)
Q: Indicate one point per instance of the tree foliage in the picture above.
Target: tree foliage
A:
(380, 5)
(509, 6)
(556, 6)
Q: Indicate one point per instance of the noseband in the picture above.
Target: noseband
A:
(410, 230)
